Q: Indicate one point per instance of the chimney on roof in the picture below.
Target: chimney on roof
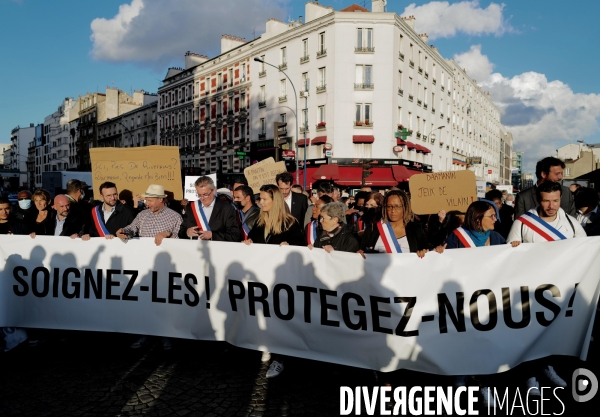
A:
(410, 21)
(377, 6)
(424, 37)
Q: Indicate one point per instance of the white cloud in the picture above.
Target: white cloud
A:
(160, 32)
(542, 115)
(440, 19)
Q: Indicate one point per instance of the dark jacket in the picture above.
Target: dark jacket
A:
(81, 210)
(453, 242)
(299, 206)
(223, 223)
(45, 228)
(75, 224)
(13, 226)
(526, 200)
(417, 240)
(251, 216)
(506, 220)
(121, 217)
(343, 241)
(293, 236)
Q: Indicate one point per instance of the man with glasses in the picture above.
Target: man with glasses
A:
(209, 218)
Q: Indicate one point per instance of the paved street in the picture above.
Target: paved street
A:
(96, 374)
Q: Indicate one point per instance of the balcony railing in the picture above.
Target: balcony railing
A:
(321, 88)
(304, 59)
(364, 86)
(262, 136)
(419, 102)
(410, 97)
(420, 70)
(425, 106)
(321, 53)
(400, 92)
(426, 75)
(282, 98)
(434, 81)
(262, 74)
(283, 66)
(364, 50)
(401, 56)
(411, 64)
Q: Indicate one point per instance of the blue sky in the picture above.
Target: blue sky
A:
(538, 58)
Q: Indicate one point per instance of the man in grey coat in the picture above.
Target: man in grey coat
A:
(547, 169)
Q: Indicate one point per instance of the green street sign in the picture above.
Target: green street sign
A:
(240, 154)
(241, 157)
(403, 133)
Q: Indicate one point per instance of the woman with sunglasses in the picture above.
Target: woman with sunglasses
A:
(396, 232)
(477, 229)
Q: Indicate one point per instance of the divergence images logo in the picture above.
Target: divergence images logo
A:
(585, 385)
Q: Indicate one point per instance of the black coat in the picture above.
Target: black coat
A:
(122, 216)
(223, 223)
(75, 224)
(526, 200)
(299, 206)
(417, 240)
(343, 241)
(293, 236)
(14, 226)
(45, 228)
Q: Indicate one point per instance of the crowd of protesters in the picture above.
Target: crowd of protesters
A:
(368, 223)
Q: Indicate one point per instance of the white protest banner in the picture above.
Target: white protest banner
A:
(454, 313)
(189, 189)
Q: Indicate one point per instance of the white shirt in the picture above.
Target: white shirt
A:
(288, 201)
(560, 223)
(59, 226)
(584, 219)
(403, 241)
(209, 209)
(108, 213)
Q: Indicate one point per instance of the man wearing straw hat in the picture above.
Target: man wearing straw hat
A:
(158, 221)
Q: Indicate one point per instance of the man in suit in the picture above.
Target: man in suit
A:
(297, 203)
(66, 222)
(110, 215)
(547, 169)
(210, 218)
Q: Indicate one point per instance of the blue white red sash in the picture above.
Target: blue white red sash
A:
(358, 221)
(464, 237)
(311, 232)
(99, 221)
(540, 227)
(245, 228)
(388, 237)
(200, 216)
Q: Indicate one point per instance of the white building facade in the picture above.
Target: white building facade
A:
(370, 77)
(19, 143)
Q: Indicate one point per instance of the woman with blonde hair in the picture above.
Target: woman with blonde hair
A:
(39, 221)
(275, 225)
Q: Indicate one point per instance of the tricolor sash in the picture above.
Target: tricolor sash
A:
(540, 227)
(311, 232)
(464, 237)
(388, 237)
(200, 216)
(245, 228)
(358, 221)
(99, 221)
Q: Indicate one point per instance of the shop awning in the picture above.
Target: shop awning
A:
(309, 173)
(421, 148)
(380, 177)
(400, 142)
(457, 161)
(402, 174)
(327, 172)
(411, 145)
(319, 140)
(363, 139)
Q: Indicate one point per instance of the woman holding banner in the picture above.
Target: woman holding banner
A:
(39, 221)
(477, 229)
(396, 232)
(335, 235)
(275, 226)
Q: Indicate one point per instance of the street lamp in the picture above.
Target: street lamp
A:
(296, 98)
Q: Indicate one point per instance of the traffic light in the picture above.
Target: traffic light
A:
(365, 171)
(279, 132)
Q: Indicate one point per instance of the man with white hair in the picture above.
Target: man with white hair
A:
(209, 218)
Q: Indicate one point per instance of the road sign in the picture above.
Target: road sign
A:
(288, 154)
(240, 153)
(328, 154)
(403, 133)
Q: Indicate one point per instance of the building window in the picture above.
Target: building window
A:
(219, 108)
(364, 76)
(305, 48)
(263, 127)
(283, 57)
(364, 39)
(219, 81)
(262, 64)
(322, 78)
(263, 96)
(322, 49)
(364, 113)
(282, 89)
(321, 114)
(305, 81)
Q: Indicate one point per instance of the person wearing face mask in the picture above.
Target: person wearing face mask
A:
(372, 214)
(24, 207)
(510, 200)
(354, 216)
(247, 210)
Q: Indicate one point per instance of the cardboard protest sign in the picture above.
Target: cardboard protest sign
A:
(189, 189)
(435, 191)
(134, 169)
(263, 173)
(268, 160)
(481, 189)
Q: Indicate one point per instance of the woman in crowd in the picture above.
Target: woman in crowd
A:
(396, 232)
(477, 230)
(275, 226)
(372, 213)
(335, 235)
(313, 228)
(39, 221)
